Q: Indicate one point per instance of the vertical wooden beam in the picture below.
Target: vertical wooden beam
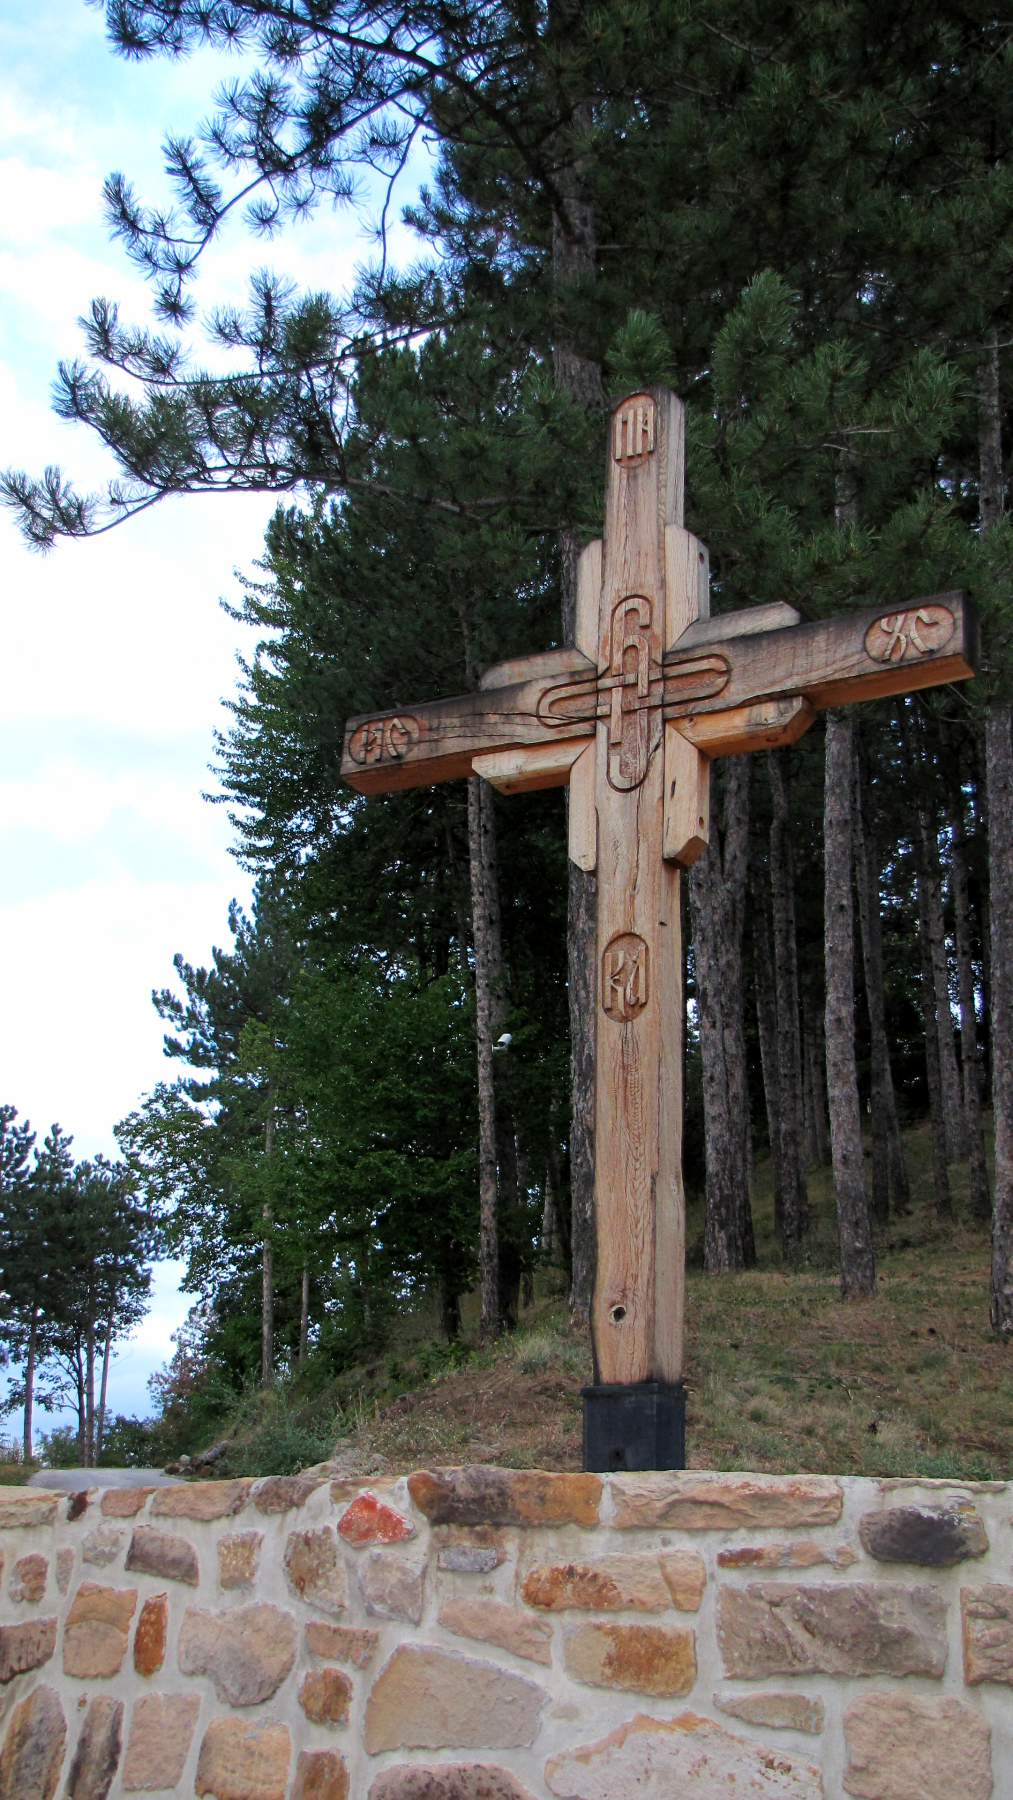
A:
(637, 1314)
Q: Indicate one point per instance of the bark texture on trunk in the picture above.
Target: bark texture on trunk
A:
(940, 1172)
(304, 1315)
(999, 770)
(889, 1168)
(717, 888)
(574, 261)
(487, 938)
(33, 1339)
(267, 1265)
(789, 1035)
(766, 1025)
(980, 1198)
(100, 1421)
(990, 490)
(930, 903)
(858, 1270)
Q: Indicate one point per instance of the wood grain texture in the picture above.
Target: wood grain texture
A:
(763, 726)
(829, 662)
(638, 1302)
(687, 799)
(531, 766)
(439, 739)
(582, 824)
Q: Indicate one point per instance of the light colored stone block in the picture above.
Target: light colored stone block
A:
(96, 1631)
(239, 1558)
(24, 1507)
(643, 1659)
(692, 1500)
(64, 1568)
(429, 1699)
(986, 1616)
(479, 1495)
(281, 1493)
(28, 1579)
(804, 1553)
(243, 1759)
(633, 1582)
(125, 1503)
(684, 1756)
(447, 1781)
(24, 1647)
(248, 1651)
(782, 1712)
(852, 1628)
(903, 1748)
(320, 1775)
(325, 1696)
(315, 1571)
(164, 1555)
(102, 1546)
(203, 1501)
(161, 1732)
(34, 1744)
(491, 1621)
(392, 1585)
(97, 1751)
(342, 1643)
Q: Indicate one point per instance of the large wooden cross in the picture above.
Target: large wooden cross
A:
(631, 718)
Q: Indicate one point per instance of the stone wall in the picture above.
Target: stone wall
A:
(488, 1634)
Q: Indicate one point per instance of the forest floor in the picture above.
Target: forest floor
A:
(782, 1375)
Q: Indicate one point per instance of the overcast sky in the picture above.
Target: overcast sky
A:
(115, 653)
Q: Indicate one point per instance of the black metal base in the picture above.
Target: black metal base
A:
(640, 1426)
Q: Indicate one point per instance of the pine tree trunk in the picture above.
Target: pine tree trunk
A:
(888, 1162)
(304, 1316)
(956, 1134)
(547, 1235)
(858, 1271)
(980, 1198)
(100, 1425)
(809, 1068)
(766, 1025)
(991, 485)
(33, 1339)
(940, 1172)
(789, 1046)
(485, 926)
(999, 774)
(717, 885)
(574, 262)
(267, 1263)
(89, 1394)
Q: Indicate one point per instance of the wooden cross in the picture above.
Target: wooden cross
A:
(631, 718)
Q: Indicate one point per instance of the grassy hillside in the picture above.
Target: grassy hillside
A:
(782, 1375)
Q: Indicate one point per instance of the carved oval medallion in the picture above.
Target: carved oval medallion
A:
(905, 636)
(625, 977)
(383, 740)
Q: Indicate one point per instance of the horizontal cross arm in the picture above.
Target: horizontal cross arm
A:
(439, 739)
(831, 662)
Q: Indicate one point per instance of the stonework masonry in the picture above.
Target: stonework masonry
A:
(492, 1634)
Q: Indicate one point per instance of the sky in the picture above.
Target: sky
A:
(116, 654)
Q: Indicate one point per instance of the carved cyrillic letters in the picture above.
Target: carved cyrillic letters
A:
(383, 740)
(625, 977)
(901, 636)
(633, 429)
